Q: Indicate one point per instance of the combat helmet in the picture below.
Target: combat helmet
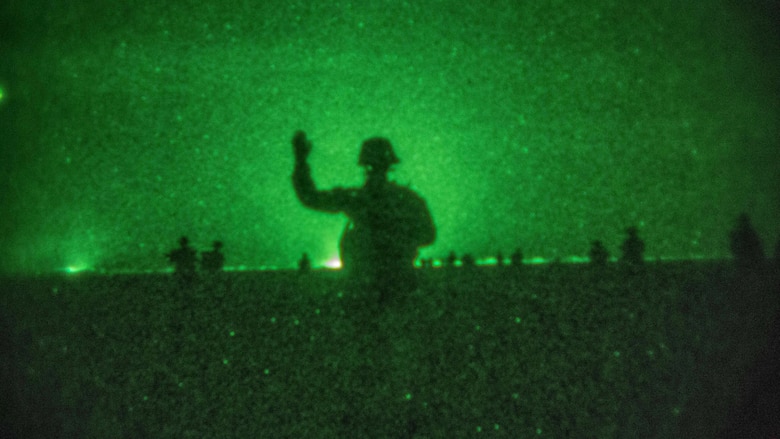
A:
(377, 152)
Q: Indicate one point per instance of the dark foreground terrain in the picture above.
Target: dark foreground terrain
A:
(679, 350)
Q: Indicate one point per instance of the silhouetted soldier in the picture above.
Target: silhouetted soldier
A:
(516, 258)
(304, 265)
(633, 249)
(746, 245)
(213, 261)
(598, 254)
(451, 259)
(468, 261)
(183, 260)
(500, 259)
(387, 222)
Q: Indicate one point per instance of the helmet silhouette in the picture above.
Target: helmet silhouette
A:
(377, 152)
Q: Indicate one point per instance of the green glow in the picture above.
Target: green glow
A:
(516, 130)
(232, 333)
(408, 396)
(76, 269)
(486, 261)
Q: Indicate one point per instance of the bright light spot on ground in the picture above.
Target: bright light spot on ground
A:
(72, 269)
(334, 262)
(486, 261)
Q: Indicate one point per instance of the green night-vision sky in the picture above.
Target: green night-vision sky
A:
(540, 125)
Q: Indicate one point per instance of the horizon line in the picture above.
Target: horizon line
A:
(437, 263)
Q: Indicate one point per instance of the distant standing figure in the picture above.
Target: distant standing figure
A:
(746, 245)
(213, 261)
(387, 224)
(633, 249)
(183, 260)
(598, 254)
(516, 258)
(451, 259)
(500, 259)
(304, 264)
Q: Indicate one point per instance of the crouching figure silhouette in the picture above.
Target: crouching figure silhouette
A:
(387, 222)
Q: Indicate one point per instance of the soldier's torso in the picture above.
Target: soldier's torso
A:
(382, 226)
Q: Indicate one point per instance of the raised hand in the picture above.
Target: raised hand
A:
(301, 146)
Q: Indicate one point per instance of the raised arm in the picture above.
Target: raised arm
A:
(327, 201)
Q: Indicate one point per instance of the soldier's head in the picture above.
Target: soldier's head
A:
(217, 245)
(183, 241)
(377, 155)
